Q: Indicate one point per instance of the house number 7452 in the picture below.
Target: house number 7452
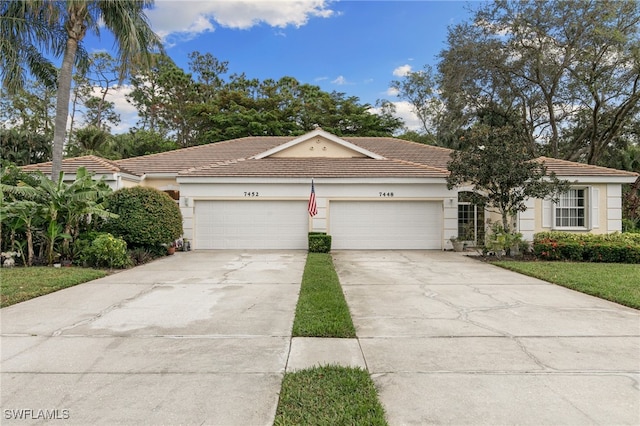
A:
(251, 194)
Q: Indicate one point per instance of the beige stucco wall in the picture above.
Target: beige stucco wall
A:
(162, 184)
(317, 147)
(603, 211)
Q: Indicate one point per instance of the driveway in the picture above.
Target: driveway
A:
(195, 338)
(451, 340)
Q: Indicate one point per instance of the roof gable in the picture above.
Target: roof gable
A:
(318, 144)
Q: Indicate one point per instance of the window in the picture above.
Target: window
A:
(570, 211)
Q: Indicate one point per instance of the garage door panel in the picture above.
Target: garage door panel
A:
(251, 225)
(388, 225)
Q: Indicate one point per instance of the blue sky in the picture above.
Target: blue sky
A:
(355, 47)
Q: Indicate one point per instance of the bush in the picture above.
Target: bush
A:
(501, 241)
(108, 251)
(140, 256)
(611, 248)
(147, 217)
(319, 242)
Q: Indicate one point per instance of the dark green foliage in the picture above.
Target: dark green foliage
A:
(319, 242)
(140, 256)
(24, 147)
(611, 248)
(147, 217)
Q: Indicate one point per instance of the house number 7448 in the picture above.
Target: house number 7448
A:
(386, 194)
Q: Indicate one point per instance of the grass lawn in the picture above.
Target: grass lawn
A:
(616, 282)
(329, 395)
(322, 310)
(20, 284)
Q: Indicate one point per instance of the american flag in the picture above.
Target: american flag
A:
(312, 207)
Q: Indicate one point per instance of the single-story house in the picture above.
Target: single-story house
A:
(371, 193)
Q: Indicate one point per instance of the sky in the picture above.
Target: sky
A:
(354, 47)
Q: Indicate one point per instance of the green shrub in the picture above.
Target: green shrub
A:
(147, 217)
(319, 242)
(140, 256)
(108, 251)
(610, 248)
(501, 241)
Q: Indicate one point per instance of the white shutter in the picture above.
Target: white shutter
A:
(594, 202)
(547, 205)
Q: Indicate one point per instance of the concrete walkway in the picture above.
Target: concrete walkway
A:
(204, 338)
(196, 338)
(451, 340)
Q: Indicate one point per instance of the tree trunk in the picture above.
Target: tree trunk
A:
(62, 106)
(29, 247)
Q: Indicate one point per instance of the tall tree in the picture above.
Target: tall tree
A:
(570, 69)
(502, 174)
(124, 18)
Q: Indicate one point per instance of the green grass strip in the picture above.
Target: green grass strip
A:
(329, 395)
(322, 310)
(20, 284)
(616, 282)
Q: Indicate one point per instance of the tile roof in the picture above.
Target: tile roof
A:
(92, 163)
(569, 168)
(316, 167)
(172, 162)
(234, 158)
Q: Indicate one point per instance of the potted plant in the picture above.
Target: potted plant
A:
(458, 243)
(171, 248)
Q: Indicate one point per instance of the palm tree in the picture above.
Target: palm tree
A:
(127, 21)
(25, 26)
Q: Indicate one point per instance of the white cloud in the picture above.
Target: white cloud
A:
(392, 91)
(401, 71)
(340, 81)
(128, 113)
(404, 110)
(175, 20)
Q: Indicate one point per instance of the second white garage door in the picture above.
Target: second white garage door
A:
(386, 225)
(251, 224)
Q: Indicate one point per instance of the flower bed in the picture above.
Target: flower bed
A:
(610, 248)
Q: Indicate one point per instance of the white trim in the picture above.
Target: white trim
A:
(586, 208)
(547, 214)
(322, 133)
(307, 180)
(594, 202)
(585, 180)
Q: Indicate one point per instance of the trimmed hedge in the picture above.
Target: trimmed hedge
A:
(609, 248)
(147, 217)
(319, 242)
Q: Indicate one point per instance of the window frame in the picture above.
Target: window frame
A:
(586, 208)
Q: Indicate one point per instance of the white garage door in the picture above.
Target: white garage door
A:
(251, 224)
(386, 224)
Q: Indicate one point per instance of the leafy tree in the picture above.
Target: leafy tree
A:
(502, 174)
(569, 70)
(23, 147)
(125, 19)
(140, 142)
(90, 141)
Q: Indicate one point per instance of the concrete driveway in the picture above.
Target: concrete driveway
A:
(196, 338)
(451, 340)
